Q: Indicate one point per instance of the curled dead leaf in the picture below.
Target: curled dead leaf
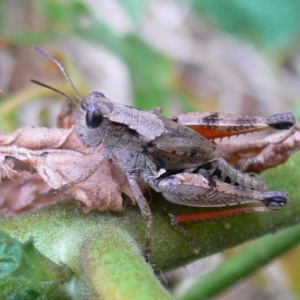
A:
(259, 155)
(33, 161)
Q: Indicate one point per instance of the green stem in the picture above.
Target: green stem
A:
(242, 264)
(97, 246)
(111, 263)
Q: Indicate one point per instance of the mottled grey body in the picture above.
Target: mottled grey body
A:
(171, 158)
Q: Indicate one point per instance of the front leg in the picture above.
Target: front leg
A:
(146, 212)
(85, 175)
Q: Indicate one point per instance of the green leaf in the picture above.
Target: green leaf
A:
(151, 74)
(268, 22)
(68, 12)
(22, 288)
(10, 255)
(2, 12)
(135, 9)
(99, 32)
(25, 260)
(25, 295)
(32, 38)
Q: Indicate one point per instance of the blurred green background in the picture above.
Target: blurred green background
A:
(232, 56)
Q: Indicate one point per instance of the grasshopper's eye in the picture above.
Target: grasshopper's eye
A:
(92, 119)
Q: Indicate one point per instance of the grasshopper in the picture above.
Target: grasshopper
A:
(175, 157)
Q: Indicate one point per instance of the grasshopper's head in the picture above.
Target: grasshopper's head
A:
(93, 119)
(93, 113)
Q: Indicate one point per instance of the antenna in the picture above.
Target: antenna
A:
(63, 71)
(52, 88)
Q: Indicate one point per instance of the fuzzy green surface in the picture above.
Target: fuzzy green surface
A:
(104, 250)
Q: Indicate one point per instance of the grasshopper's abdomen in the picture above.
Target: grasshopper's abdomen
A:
(220, 170)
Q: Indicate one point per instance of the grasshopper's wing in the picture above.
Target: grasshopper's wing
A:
(180, 148)
(218, 125)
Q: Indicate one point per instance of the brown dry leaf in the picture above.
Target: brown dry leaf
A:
(26, 192)
(33, 161)
(259, 155)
